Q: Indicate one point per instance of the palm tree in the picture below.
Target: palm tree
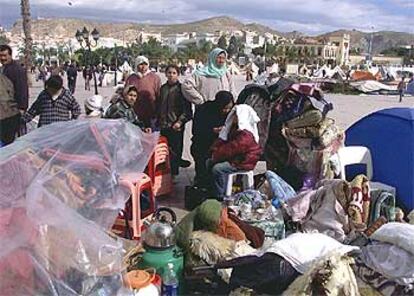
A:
(27, 29)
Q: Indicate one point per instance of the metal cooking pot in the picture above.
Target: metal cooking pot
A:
(160, 232)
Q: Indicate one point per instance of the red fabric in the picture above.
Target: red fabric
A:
(254, 234)
(148, 90)
(241, 150)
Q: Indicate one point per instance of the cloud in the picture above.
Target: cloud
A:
(312, 17)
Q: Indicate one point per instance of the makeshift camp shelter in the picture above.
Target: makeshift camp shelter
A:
(410, 88)
(126, 68)
(304, 70)
(372, 86)
(274, 69)
(389, 134)
(321, 71)
(362, 75)
(292, 69)
(234, 69)
(337, 73)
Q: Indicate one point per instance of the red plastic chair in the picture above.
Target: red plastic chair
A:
(159, 169)
(136, 184)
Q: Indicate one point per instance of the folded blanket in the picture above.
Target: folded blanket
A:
(308, 118)
(310, 131)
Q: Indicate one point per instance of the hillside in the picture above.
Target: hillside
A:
(380, 40)
(66, 27)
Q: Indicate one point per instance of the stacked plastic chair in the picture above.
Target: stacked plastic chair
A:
(130, 222)
(159, 169)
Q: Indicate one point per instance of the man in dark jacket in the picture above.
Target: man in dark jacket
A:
(18, 77)
(72, 75)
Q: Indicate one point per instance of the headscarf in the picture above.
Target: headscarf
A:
(95, 105)
(247, 120)
(211, 69)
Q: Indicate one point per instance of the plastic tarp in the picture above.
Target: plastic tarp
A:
(60, 192)
(410, 88)
(389, 135)
(370, 86)
(363, 75)
(324, 69)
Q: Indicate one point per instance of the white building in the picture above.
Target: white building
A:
(174, 40)
(144, 37)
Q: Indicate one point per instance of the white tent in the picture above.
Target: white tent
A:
(292, 69)
(337, 71)
(368, 86)
(319, 73)
(126, 68)
(234, 69)
(274, 69)
(304, 70)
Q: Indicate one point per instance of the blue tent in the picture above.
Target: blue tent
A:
(389, 134)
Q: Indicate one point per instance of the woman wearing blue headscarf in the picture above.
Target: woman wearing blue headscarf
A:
(211, 90)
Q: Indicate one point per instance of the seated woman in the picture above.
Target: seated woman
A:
(237, 148)
(123, 108)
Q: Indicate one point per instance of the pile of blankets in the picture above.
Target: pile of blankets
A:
(312, 138)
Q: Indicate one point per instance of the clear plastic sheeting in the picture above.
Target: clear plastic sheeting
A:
(59, 195)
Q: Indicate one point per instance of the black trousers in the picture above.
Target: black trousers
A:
(72, 86)
(175, 143)
(9, 127)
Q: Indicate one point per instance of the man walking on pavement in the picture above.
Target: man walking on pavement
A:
(17, 75)
(72, 74)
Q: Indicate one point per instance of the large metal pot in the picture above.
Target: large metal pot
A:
(160, 233)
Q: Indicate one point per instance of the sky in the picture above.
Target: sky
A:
(307, 16)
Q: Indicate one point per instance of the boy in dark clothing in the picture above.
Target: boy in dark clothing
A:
(174, 111)
(53, 104)
(123, 108)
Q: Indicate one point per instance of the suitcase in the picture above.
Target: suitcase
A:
(194, 196)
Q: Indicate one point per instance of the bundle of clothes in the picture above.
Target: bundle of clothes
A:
(334, 248)
(297, 136)
(312, 137)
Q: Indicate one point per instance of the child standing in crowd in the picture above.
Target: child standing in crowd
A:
(53, 104)
(123, 108)
(174, 111)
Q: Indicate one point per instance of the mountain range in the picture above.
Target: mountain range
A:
(66, 27)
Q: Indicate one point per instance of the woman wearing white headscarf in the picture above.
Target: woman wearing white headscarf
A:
(203, 85)
(237, 148)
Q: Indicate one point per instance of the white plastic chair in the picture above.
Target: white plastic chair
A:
(247, 176)
(360, 155)
(354, 155)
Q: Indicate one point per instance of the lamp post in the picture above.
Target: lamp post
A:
(116, 66)
(85, 42)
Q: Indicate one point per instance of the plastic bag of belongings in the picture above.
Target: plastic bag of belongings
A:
(60, 192)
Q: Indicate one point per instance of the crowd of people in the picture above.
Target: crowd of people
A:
(225, 136)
